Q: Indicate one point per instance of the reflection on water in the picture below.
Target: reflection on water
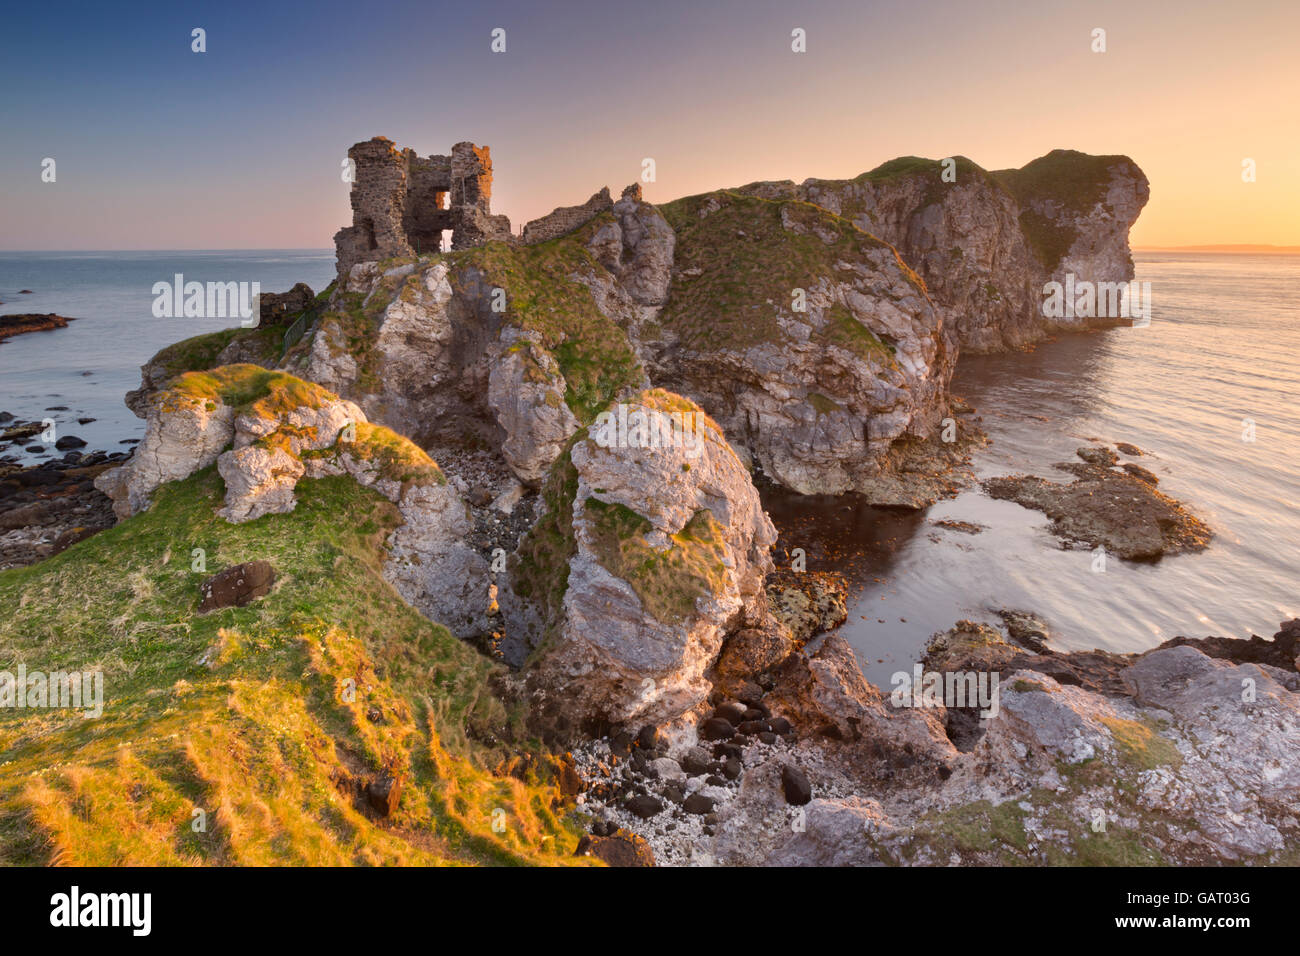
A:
(1222, 347)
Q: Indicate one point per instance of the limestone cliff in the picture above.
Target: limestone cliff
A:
(653, 550)
(986, 242)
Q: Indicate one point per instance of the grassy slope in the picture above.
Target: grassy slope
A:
(750, 264)
(241, 713)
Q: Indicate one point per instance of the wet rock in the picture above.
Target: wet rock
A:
(69, 442)
(1132, 451)
(1103, 508)
(1143, 474)
(1282, 652)
(1098, 455)
(236, 586)
(1026, 629)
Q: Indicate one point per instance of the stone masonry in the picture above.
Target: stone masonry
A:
(402, 202)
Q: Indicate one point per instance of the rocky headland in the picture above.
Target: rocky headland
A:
(491, 522)
(20, 323)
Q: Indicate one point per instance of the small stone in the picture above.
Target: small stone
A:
(779, 725)
(620, 745)
(696, 761)
(644, 806)
(732, 768)
(698, 803)
(794, 783)
(648, 737)
(731, 713)
(716, 728)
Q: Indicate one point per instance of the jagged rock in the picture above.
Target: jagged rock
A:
(1026, 628)
(1282, 652)
(283, 430)
(526, 391)
(236, 586)
(807, 602)
(665, 550)
(808, 340)
(180, 439)
(821, 688)
(985, 242)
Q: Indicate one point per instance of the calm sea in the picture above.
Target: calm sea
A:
(110, 295)
(1223, 346)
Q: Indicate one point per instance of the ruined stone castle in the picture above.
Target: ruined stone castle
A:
(402, 203)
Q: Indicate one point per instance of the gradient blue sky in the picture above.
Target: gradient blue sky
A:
(158, 147)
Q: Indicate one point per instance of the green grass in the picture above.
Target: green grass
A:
(539, 568)
(750, 264)
(241, 712)
(668, 582)
(594, 354)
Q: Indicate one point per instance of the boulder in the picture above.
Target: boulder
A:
(648, 558)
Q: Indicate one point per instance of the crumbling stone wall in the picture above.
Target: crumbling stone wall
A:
(566, 218)
(398, 200)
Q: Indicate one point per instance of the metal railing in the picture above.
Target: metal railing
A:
(293, 335)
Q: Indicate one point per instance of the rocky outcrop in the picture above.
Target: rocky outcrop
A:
(19, 323)
(1174, 757)
(261, 345)
(266, 431)
(986, 243)
(809, 340)
(1119, 511)
(508, 347)
(651, 554)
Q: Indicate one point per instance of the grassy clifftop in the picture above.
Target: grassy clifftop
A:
(738, 263)
(269, 719)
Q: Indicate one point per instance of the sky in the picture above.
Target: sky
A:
(159, 147)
